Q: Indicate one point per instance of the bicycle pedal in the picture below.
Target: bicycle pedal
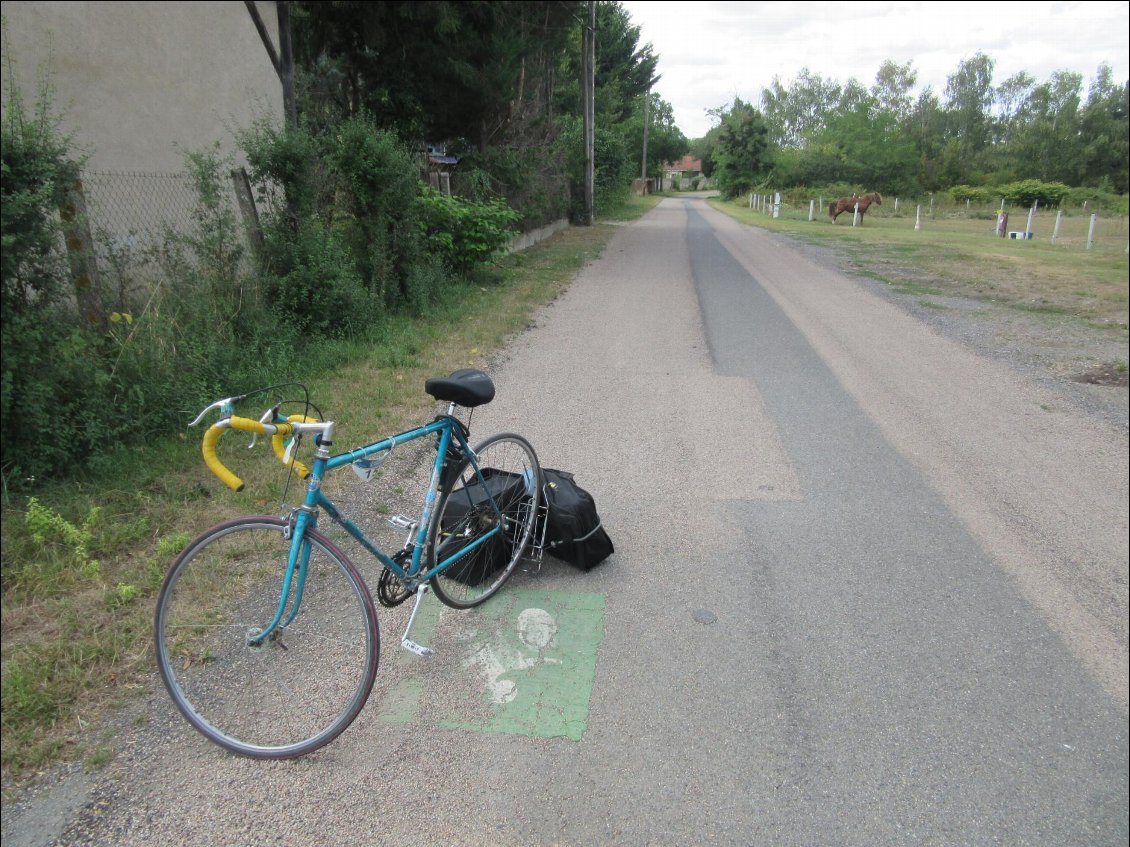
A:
(401, 522)
(419, 649)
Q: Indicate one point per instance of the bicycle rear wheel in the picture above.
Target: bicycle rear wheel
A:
(302, 686)
(490, 514)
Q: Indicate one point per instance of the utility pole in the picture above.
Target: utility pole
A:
(643, 171)
(589, 117)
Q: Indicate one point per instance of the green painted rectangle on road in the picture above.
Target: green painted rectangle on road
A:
(536, 664)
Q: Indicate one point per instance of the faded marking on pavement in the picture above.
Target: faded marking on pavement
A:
(526, 660)
(537, 670)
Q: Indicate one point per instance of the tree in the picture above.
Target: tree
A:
(1044, 144)
(1104, 130)
(432, 71)
(665, 141)
(892, 89)
(798, 113)
(742, 155)
(969, 96)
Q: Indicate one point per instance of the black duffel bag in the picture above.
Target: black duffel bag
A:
(463, 505)
(573, 530)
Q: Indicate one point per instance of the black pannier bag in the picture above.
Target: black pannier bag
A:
(469, 504)
(573, 531)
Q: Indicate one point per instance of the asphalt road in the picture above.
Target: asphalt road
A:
(868, 589)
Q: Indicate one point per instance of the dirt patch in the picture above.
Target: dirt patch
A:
(1114, 375)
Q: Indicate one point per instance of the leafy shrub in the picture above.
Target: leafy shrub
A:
(973, 194)
(530, 180)
(464, 233)
(41, 341)
(1097, 199)
(377, 189)
(1028, 192)
(315, 289)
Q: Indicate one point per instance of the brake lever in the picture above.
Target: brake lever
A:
(226, 407)
(268, 417)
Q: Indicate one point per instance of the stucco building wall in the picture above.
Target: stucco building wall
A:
(141, 83)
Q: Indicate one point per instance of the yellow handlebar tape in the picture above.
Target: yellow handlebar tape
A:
(278, 444)
(211, 438)
(214, 433)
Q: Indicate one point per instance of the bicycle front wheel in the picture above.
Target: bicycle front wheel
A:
(484, 520)
(288, 694)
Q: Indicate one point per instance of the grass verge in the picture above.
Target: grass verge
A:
(962, 256)
(82, 561)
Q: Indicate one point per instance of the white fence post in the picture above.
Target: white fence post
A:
(811, 210)
(896, 204)
(751, 199)
(918, 218)
(776, 204)
(855, 216)
(1055, 230)
(1028, 226)
(1091, 232)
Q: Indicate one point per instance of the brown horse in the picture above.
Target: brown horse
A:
(847, 204)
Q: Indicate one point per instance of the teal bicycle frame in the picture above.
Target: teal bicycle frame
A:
(306, 516)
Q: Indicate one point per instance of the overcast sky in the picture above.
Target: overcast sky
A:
(710, 52)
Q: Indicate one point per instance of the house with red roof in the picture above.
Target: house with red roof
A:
(680, 174)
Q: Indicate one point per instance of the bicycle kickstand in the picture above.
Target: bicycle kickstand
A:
(406, 642)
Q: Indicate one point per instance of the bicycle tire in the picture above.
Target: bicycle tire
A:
(462, 517)
(300, 688)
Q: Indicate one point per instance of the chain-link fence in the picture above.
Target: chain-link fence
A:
(138, 209)
(128, 223)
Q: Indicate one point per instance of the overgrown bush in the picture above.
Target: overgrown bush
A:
(41, 345)
(1098, 199)
(377, 213)
(973, 194)
(464, 233)
(314, 288)
(1028, 192)
(530, 180)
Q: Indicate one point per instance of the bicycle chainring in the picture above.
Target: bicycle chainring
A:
(391, 591)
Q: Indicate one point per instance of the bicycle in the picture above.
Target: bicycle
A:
(266, 635)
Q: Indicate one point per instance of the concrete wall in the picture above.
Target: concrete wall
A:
(140, 83)
(528, 239)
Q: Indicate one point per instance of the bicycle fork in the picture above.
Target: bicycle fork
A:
(406, 642)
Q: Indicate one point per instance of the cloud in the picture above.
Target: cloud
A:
(711, 52)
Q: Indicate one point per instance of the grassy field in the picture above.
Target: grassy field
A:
(958, 253)
(83, 561)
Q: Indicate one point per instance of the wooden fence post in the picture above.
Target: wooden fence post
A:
(80, 255)
(246, 201)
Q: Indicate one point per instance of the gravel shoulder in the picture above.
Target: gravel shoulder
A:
(1056, 351)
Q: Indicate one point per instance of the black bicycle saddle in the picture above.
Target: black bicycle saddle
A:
(467, 387)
